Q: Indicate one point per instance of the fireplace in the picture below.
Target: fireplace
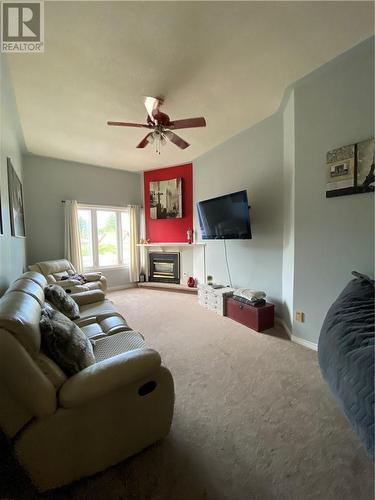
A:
(164, 267)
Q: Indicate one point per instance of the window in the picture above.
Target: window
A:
(105, 236)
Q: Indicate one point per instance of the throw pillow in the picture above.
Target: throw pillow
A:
(59, 276)
(62, 301)
(64, 342)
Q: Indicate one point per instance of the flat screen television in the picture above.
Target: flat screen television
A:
(225, 217)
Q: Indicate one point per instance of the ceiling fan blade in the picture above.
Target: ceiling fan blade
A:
(145, 141)
(177, 140)
(187, 123)
(152, 105)
(126, 124)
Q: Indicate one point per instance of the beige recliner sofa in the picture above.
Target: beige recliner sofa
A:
(55, 270)
(63, 428)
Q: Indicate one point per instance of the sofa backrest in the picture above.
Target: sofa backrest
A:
(34, 276)
(28, 379)
(30, 287)
(53, 270)
(20, 316)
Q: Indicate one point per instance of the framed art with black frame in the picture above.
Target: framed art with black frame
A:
(350, 169)
(16, 210)
(1, 214)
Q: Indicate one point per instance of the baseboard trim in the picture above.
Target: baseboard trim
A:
(121, 287)
(297, 340)
(305, 343)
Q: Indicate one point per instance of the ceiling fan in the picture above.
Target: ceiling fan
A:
(161, 126)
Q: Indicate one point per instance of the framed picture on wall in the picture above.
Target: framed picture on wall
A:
(350, 169)
(16, 210)
(166, 199)
(1, 214)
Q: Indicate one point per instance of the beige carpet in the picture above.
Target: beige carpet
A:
(253, 418)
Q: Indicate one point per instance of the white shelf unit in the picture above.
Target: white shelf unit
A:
(169, 244)
(214, 298)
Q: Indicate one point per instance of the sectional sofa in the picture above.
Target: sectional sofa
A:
(64, 428)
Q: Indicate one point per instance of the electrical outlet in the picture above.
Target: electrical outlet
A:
(300, 316)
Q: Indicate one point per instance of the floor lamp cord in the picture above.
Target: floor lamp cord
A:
(226, 260)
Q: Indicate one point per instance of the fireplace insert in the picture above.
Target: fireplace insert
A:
(164, 267)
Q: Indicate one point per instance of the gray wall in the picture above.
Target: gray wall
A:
(334, 106)
(251, 160)
(48, 181)
(304, 245)
(12, 249)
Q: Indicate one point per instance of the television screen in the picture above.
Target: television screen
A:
(225, 217)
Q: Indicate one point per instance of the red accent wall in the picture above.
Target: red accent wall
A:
(170, 230)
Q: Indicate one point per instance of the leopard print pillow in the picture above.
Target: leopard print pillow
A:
(64, 342)
(58, 297)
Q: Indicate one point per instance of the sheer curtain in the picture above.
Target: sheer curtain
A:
(134, 239)
(72, 241)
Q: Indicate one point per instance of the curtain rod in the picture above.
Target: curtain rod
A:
(93, 205)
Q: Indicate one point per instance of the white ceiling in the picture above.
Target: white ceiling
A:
(228, 61)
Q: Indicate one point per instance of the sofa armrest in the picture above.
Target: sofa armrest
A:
(88, 297)
(106, 376)
(94, 276)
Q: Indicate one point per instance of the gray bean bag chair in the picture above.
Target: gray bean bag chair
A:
(346, 355)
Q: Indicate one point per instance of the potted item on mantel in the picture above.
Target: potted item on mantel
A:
(191, 282)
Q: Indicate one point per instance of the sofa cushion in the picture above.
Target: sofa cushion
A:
(103, 325)
(93, 310)
(62, 301)
(88, 297)
(93, 285)
(113, 324)
(113, 345)
(64, 342)
(92, 330)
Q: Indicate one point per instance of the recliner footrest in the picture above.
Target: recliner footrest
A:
(118, 343)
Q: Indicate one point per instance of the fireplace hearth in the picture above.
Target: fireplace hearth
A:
(164, 267)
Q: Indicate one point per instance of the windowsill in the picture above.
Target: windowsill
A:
(104, 268)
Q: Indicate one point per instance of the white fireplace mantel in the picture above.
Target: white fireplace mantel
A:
(169, 244)
(187, 256)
